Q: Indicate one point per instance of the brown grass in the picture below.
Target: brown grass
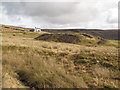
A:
(41, 64)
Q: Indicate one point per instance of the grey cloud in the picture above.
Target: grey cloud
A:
(49, 8)
(53, 12)
(13, 8)
(59, 13)
(39, 8)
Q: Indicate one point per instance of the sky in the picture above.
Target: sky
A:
(93, 14)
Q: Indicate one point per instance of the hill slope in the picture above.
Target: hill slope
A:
(106, 34)
(30, 63)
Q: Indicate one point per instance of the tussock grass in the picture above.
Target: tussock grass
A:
(40, 71)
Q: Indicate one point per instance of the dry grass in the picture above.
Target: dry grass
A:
(41, 64)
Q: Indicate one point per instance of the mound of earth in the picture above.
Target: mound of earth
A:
(70, 38)
(67, 38)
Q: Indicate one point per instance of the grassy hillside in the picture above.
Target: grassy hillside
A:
(30, 63)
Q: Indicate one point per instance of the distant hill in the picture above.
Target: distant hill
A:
(106, 34)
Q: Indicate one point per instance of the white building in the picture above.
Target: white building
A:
(37, 29)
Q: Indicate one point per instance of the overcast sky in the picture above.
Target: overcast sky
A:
(60, 14)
